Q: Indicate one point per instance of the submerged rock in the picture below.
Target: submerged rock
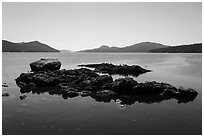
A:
(45, 65)
(117, 69)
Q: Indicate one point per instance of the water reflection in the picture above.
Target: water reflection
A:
(106, 96)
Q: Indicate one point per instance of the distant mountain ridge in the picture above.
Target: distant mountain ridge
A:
(152, 47)
(191, 48)
(139, 47)
(33, 46)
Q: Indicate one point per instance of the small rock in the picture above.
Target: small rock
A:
(5, 94)
(23, 97)
(4, 85)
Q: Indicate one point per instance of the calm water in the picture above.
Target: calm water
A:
(51, 114)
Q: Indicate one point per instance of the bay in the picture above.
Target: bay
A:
(51, 114)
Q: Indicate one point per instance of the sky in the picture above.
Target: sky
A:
(78, 26)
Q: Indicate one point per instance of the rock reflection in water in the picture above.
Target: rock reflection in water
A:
(106, 96)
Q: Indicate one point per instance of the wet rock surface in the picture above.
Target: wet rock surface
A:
(45, 64)
(109, 68)
(85, 82)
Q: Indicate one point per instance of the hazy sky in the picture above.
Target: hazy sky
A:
(76, 26)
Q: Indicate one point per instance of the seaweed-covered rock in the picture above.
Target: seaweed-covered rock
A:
(45, 65)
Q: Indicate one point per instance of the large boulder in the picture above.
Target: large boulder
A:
(45, 65)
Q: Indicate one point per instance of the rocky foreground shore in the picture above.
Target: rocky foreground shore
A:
(46, 76)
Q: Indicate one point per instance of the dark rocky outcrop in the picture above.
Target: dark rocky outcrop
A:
(86, 82)
(45, 64)
(77, 79)
(109, 68)
(4, 85)
(5, 94)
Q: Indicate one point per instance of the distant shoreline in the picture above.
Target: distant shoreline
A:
(142, 47)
